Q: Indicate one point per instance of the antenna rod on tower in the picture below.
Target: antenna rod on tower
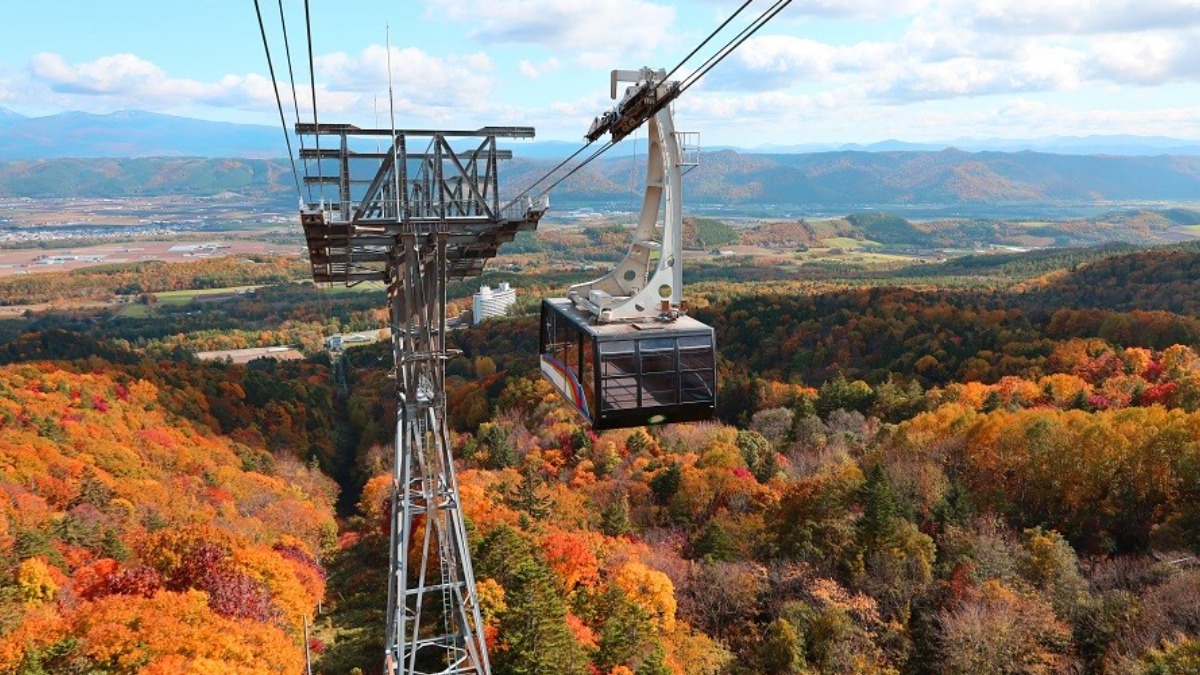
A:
(392, 112)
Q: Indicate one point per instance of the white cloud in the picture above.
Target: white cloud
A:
(127, 81)
(956, 50)
(857, 9)
(1029, 68)
(1146, 59)
(417, 76)
(536, 70)
(1030, 118)
(1075, 17)
(779, 61)
(599, 34)
(107, 75)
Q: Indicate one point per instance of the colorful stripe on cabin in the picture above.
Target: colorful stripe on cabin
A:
(564, 380)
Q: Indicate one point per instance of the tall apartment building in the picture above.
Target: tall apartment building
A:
(490, 302)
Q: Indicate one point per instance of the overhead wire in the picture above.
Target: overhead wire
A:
(689, 81)
(706, 40)
(737, 41)
(312, 77)
(572, 172)
(262, 29)
(287, 50)
(547, 175)
(679, 65)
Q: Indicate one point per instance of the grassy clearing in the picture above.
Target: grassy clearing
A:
(136, 310)
(847, 243)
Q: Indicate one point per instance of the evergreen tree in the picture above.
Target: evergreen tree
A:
(782, 651)
(880, 507)
(758, 454)
(626, 632)
(713, 544)
(534, 636)
(665, 484)
(500, 553)
(527, 497)
(655, 662)
(614, 519)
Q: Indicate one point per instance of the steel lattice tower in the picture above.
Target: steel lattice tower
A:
(419, 220)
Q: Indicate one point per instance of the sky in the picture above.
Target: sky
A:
(823, 71)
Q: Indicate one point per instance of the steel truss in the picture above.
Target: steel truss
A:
(419, 220)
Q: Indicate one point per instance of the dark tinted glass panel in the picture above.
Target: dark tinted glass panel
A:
(616, 347)
(658, 355)
(547, 333)
(587, 373)
(695, 359)
(697, 380)
(619, 393)
(660, 381)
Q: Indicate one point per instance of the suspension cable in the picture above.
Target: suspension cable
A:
(546, 175)
(312, 79)
(709, 63)
(278, 101)
(706, 40)
(582, 164)
(287, 50)
(733, 44)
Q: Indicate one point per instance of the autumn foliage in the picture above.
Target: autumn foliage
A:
(136, 541)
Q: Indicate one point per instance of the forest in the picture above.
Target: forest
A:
(994, 470)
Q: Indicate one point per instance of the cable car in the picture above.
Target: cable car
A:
(621, 349)
(629, 373)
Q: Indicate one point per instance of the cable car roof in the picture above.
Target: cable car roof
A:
(645, 328)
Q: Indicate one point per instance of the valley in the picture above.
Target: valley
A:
(868, 402)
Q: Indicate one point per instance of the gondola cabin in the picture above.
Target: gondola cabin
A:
(627, 374)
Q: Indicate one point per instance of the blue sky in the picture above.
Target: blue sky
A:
(822, 71)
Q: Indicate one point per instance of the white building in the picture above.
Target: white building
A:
(488, 302)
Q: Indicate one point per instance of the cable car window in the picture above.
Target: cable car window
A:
(618, 375)
(566, 346)
(695, 359)
(660, 381)
(548, 334)
(697, 379)
(587, 373)
(615, 346)
(617, 358)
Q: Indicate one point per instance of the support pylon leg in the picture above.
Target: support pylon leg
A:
(434, 622)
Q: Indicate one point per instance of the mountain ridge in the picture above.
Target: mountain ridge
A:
(843, 179)
(139, 133)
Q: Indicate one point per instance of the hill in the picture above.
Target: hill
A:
(848, 179)
(134, 538)
(138, 133)
(966, 459)
(146, 177)
(132, 133)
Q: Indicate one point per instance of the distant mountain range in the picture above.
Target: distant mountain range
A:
(844, 180)
(857, 179)
(1063, 145)
(136, 133)
(132, 133)
(147, 154)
